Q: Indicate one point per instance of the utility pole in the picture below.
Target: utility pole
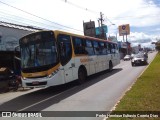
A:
(103, 35)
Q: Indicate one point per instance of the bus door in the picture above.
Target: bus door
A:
(65, 49)
(109, 55)
(117, 54)
(114, 55)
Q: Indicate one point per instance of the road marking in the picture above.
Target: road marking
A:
(44, 100)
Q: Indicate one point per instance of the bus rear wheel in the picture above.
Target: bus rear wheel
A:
(110, 66)
(81, 75)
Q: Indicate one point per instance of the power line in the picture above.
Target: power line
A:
(95, 12)
(141, 16)
(39, 17)
(80, 7)
(22, 20)
(85, 9)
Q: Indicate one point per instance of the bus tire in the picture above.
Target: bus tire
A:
(110, 66)
(82, 75)
(132, 64)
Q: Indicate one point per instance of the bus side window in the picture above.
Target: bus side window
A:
(116, 48)
(105, 48)
(113, 48)
(109, 48)
(102, 48)
(89, 47)
(78, 45)
(96, 47)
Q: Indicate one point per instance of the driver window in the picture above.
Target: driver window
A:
(65, 48)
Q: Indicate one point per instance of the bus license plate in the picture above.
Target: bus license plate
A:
(35, 83)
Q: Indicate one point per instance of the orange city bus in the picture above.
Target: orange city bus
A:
(50, 58)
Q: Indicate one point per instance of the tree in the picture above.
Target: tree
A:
(158, 45)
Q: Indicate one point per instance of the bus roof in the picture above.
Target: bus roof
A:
(93, 38)
(72, 34)
(68, 33)
(98, 39)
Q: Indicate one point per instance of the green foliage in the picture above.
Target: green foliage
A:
(158, 46)
(145, 93)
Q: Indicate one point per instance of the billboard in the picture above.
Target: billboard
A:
(124, 29)
(99, 30)
(89, 28)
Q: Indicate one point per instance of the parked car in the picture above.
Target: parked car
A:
(127, 57)
(146, 54)
(139, 59)
(132, 56)
(8, 80)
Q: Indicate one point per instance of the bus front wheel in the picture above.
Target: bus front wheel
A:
(81, 75)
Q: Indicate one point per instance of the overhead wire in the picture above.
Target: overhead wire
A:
(12, 17)
(80, 7)
(116, 18)
(39, 17)
(125, 17)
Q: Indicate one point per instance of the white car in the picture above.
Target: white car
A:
(127, 57)
(139, 59)
(132, 56)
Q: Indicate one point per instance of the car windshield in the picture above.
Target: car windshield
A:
(127, 56)
(138, 56)
(39, 52)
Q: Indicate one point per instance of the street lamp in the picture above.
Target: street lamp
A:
(114, 29)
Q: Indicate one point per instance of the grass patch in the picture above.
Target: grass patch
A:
(145, 93)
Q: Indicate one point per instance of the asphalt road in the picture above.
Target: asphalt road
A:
(100, 92)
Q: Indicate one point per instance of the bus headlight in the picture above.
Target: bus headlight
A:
(52, 74)
(49, 76)
(23, 78)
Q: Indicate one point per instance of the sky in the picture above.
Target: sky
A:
(68, 15)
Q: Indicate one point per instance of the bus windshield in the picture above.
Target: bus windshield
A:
(38, 50)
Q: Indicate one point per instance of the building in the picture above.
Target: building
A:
(11, 33)
(124, 49)
(9, 38)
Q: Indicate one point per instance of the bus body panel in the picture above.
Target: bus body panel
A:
(68, 71)
(92, 67)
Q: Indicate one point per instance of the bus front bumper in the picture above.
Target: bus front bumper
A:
(42, 82)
